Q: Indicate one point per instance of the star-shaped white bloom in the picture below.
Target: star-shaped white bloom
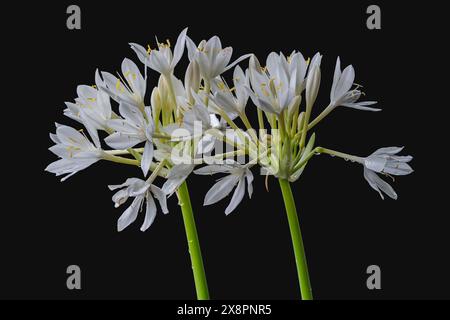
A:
(237, 175)
(280, 84)
(134, 129)
(131, 86)
(385, 161)
(140, 190)
(224, 97)
(199, 121)
(75, 150)
(341, 93)
(92, 108)
(162, 60)
(211, 58)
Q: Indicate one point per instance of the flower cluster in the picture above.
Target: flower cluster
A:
(182, 128)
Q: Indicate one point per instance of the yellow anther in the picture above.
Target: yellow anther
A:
(308, 61)
(94, 86)
(133, 75)
(264, 90)
(221, 85)
(119, 86)
(149, 49)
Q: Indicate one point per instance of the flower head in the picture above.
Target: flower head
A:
(212, 59)
(341, 93)
(237, 175)
(130, 87)
(92, 108)
(385, 161)
(232, 104)
(161, 59)
(75, 150)
(136, 127)
(141, 191)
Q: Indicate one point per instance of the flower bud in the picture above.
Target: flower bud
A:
(192, 80)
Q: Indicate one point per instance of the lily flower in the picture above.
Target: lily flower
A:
(237, 175)
(130, 87)
(224, 97)
(272, 89)
(140, 190)
(92, 108)
(134, 129)
(162, 60)
(341, 93)
(211, 58)
(385, 161)
(75, 150)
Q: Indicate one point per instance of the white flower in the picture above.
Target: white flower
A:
(134, 129)
(295, 66)
(385, 161)
(74, 149)
(130, 88)
(198, 120)
(92, 108)
(273, 90)
(224, 97)
(211, 58)
(341, 95)
(140, 190)
(237, 176)
(162, 60)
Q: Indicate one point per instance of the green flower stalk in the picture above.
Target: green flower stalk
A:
(297, 241)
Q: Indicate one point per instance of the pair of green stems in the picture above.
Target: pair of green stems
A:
(198, 268)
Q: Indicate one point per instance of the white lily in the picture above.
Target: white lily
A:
(237, 175)
(75, 150)
(92, 108)
(140, 190)
(273, 91)
(341, 93)
(211, 58)
(224, 97)
(200, 114)
(385, 161)
(131, 86)
(134, 129)
(162, 60)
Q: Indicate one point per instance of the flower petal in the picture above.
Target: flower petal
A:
(238, 195)
(147, 157)
(130, 214)
(221, 189)
(150, 213)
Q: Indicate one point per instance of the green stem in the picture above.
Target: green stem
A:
(198, 269)
(340, 154)
(297, 242)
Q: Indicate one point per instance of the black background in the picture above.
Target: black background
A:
(48, 225)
